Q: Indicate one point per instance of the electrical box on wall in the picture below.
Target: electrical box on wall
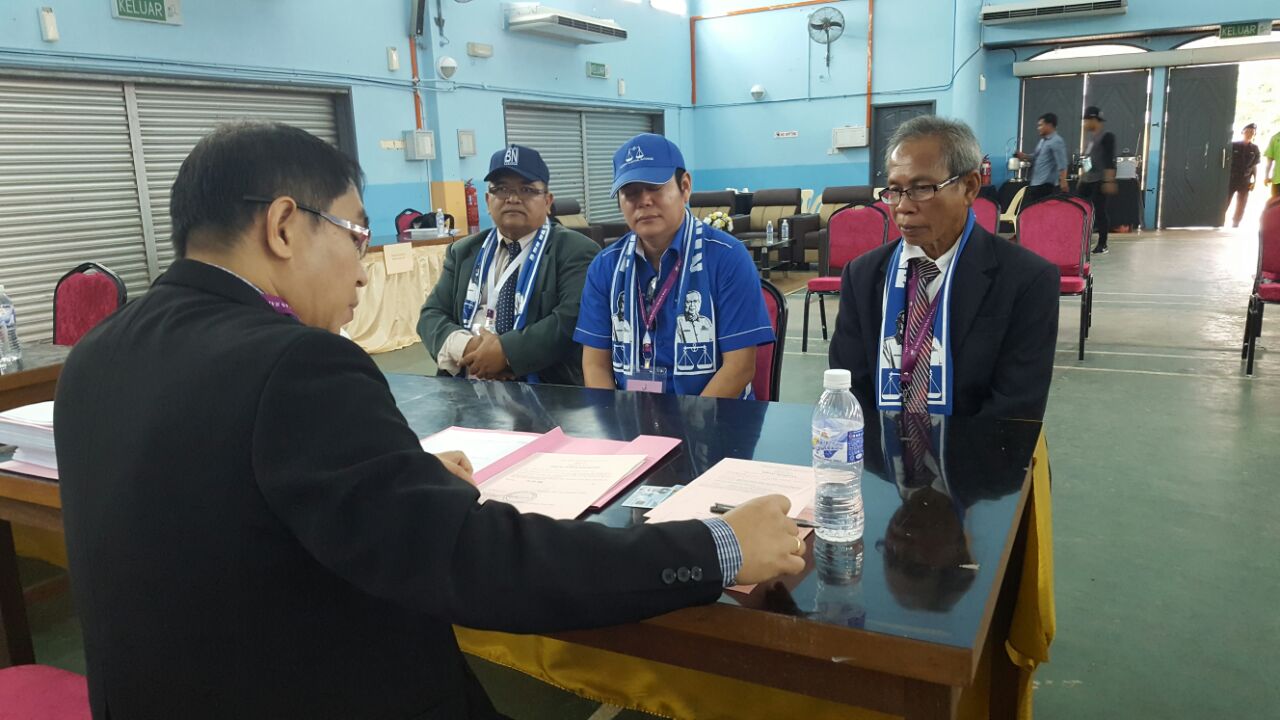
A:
(597, 70)
(419, 145)
(849, 137)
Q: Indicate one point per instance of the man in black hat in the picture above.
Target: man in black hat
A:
(1245, 157)
(1098, 172)
(507, 300)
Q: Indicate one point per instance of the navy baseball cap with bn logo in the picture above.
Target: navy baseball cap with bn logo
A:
(646, 158)
(521, 160)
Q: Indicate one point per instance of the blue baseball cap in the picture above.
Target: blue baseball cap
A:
(645, 158)
(521, 160)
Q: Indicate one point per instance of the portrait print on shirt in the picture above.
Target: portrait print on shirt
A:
(621, 331)
(695, 334)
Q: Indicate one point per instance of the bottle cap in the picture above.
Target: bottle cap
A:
(837, 380)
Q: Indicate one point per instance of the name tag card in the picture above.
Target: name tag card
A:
(398, 258)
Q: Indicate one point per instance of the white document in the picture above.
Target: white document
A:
(559, 485)
(482, 447)
(39, 414)
(733, 482)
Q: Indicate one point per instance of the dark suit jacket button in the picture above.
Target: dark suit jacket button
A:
(668, 576)
(696, 573)
(683, 574)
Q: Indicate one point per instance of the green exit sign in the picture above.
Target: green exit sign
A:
(1245, 29)
(168, 12)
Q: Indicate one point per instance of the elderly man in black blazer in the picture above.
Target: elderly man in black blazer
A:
(972, 319)
(253, 529)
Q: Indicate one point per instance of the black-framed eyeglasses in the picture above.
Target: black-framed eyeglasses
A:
(360, 234)
(915, 193)
(523, 192)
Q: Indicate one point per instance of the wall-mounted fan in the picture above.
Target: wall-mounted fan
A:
(825, 26)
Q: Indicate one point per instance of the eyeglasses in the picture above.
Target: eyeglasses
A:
(523, 192)
(916, 193)
(360, 234)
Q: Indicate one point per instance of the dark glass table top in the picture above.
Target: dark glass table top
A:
(928, 566)
(38, 355)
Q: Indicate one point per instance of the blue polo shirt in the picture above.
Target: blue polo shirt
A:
(732, 309)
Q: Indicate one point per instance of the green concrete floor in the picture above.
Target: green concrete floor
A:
(1163, 455)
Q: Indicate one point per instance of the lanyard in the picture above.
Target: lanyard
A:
(651, 316)
(280, 305)
(913, 347)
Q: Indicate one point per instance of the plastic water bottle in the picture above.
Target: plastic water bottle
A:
(837, 460)
(838, 600)
(786, 231)
(10, 348)
(768, 233)
(440, 229)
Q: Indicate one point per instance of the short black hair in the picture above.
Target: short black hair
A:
(264, 159)
(1050, 118)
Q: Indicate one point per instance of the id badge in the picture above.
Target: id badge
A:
(653, 380)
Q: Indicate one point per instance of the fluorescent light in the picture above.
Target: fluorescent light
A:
(678, 7)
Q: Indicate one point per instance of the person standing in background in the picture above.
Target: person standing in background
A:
(1049, 162)
(1244, 173)
(1098, 172)
(1272, 176)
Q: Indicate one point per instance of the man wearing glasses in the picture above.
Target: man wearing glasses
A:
(976, 314)
(253, 528)
(507, 300)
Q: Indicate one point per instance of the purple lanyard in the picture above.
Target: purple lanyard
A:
(651, 317)
(913, 347)
(280, 305)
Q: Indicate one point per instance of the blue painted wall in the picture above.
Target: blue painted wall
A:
(918, 57)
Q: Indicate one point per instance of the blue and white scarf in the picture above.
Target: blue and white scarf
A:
(694, 341)
(893, 305)
(524, 284)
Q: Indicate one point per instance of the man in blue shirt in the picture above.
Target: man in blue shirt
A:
(675, 305)
(1049, 163)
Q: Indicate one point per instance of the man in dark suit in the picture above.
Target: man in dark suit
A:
(253, 529)
(474, 323)
(992, 305)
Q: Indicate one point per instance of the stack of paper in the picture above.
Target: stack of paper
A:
(733, 481)
(559, 485)
(30, 429)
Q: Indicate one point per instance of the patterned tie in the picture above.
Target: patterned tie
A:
(915, 404)
(506, 309)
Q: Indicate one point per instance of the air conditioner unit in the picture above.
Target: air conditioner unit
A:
(1049, 10)
(538, 19)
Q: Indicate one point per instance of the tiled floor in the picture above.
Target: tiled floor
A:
(1164, 462)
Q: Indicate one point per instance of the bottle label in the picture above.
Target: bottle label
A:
(840, 447)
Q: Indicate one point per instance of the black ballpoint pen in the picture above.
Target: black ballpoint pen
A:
(722, 508)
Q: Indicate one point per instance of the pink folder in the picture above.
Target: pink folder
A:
(653, 447)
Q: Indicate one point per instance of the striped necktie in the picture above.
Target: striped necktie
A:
(917, 426)
(506, 310)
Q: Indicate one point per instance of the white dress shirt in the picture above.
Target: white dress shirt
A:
(451, 352)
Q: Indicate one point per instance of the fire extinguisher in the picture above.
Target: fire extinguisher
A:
(986, 169)
(473, 208)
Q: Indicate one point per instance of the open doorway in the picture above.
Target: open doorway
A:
(1257, 102)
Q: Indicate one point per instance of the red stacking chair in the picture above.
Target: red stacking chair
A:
(39, 692)
(405, 219)
(1266, 281)
(769, 356)
(851, 232)
(988, 214)
(83, 298)
(1057, 228)
(894, 232)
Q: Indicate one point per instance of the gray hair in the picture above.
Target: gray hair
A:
(959, 145)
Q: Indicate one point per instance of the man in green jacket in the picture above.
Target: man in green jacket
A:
(507, 301)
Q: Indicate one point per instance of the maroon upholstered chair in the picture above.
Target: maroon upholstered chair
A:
(82, 299)
(988, 214)
(850, 233)
(768, 377)
(894, 232)
(1057, 228)
(1266, 281)
(405, 219)
(39, 692)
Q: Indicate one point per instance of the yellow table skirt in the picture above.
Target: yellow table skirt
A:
(675, 692)
(387, 317)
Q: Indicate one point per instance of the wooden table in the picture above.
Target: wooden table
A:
(923, 626)
(25, 501)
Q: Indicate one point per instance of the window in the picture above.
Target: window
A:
(1215, 41)
(1087, 51)
(679, 7)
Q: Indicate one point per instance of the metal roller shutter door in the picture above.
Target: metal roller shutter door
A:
(605, 134)
(557, 136)
(172, 120)
(68, 193)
